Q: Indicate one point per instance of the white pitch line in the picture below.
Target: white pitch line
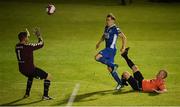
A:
(73, 95)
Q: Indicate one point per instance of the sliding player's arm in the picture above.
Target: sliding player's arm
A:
(124, 41)
(160, 91)
(99, 42)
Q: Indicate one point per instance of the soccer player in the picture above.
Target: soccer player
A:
(24, 53)
(137, 82)
(106, 56)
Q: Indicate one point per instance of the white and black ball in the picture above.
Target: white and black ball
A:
(50, 9)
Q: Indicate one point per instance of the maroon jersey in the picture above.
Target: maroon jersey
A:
(24, 53)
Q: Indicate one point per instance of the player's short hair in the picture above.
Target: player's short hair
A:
(22, 35)
(111, 16)
(165, 73)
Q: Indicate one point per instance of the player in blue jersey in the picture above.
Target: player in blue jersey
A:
(106, 56)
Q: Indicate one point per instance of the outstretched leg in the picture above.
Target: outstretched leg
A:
(129, 61)
(138, 77)
(47, 82)
(112, 68)
(131, 80)
(104, 60)
(116, 78)
(28, 86)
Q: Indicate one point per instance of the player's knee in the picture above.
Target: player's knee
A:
(97, 57)
(49, 77)
(109, 69)
(135, 68)
(126, 75)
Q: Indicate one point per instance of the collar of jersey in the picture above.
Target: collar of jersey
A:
(112, 26)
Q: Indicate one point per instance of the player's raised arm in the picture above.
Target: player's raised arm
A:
(99, 42)
(40, 43)
(161, 87)
(124, 41)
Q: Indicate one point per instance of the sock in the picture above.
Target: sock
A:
(29, 84)
(46, 87)
(123, 80)
(133, 82)
(129, 62)
(116, 77)
(106, 62)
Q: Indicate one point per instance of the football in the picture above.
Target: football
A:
(50, 9)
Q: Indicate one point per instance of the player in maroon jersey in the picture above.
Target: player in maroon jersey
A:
(24, 53)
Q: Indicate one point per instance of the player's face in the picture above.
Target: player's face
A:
(160, 75)
(26, 39)
(109, 21)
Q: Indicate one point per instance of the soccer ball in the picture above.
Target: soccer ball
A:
(50, 9)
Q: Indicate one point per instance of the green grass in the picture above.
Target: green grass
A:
(153, 32)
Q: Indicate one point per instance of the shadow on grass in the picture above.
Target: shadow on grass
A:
(125, 92)
(12, 103)
(133, 91)
(153, 94)
(83, 97)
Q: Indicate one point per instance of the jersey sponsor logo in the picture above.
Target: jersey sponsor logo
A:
(21, 61)
(110, 31)
(106, 35)
(19, 47)
(111, 35)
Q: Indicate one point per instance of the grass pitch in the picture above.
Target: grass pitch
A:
(152, 29)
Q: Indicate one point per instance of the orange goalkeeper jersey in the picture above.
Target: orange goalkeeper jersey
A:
(150, 85)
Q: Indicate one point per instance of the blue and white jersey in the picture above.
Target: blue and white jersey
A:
(111, 35)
